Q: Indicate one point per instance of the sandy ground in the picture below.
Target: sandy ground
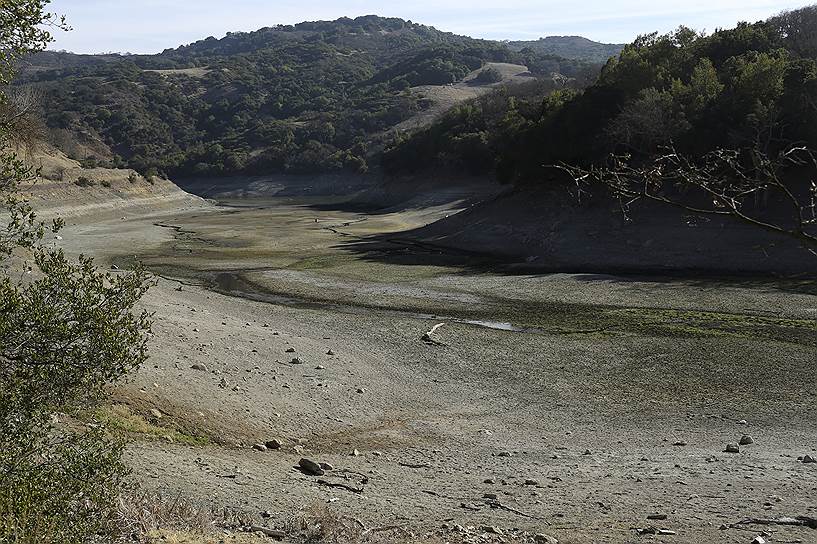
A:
(607, 400)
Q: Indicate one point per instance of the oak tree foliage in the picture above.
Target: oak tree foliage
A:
(67, 331)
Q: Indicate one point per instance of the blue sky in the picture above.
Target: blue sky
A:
(149, 26)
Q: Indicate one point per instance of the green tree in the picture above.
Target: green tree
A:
(490, 75)
(66, 331)
(704, 85)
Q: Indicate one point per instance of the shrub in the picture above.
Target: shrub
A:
(82, 181)
(66, 332)
(63, 338)
(489, 75)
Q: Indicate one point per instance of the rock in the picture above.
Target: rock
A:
(259, 447)
(745, 440)
(156, 413)
(490, 496)
(489, 481)
(657, 516)
(223, 383)
(273, 444)
(310, 467)
(542, 538)
(355, 453)
(320, 367)
(504, 454)
(742, 422)
(759, 540)
(272, 533)
(327, 466)
(732, 448)
(492, 530)
(199, 366)
(296, 361)
(588, 452)
(330, 352)
(360, 390)
(807, 459)
(680, 443)
(531, 482)
(290, 350)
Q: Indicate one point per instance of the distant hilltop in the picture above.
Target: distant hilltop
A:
(570, 47)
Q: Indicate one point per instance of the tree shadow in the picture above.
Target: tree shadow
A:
(408, 248)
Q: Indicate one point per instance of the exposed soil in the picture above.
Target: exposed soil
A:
(444, 97)
(583, 403)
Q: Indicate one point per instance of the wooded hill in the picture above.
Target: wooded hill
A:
(570, 47)
(313, 97)
(753, 86)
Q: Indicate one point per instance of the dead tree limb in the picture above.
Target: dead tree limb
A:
(798, 521)
(724, 182)
(341, 486)
(428, 338)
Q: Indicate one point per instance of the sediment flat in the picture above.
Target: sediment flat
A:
(583, 403)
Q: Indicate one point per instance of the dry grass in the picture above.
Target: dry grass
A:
(195, 73)
(121, 417)
(321, 525)
(175, 537)
(146, 517)
(154, 519)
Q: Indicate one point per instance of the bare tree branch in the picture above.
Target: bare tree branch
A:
(724, 182)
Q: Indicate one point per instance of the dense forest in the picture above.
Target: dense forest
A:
(313, 97)
(753, 86)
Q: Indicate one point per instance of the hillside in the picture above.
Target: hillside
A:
(570, 47)
(313, 97)
(698, 93)
(679, 132)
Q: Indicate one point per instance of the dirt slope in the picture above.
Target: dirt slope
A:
(67, 189)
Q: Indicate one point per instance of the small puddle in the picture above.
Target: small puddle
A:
(496, 325)
(231, 284)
